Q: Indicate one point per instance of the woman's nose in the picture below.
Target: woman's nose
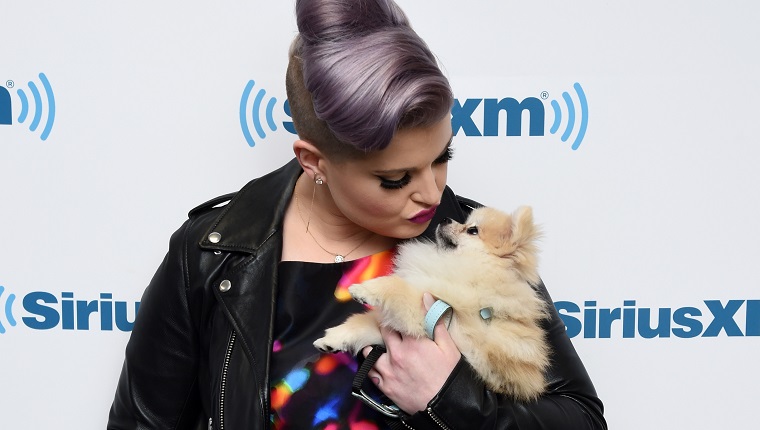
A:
(428, 191)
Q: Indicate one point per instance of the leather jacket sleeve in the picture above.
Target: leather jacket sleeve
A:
(157, 388)
(570, 402)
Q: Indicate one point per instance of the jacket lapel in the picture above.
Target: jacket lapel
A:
(251, 226)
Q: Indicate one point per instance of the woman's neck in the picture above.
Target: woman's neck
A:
(316, 230)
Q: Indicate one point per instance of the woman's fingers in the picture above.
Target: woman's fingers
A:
(427, 301)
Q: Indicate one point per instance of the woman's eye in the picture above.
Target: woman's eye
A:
(395, 184)
(447, 155)
(473, 231)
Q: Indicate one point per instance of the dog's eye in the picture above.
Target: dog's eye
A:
(473, 231)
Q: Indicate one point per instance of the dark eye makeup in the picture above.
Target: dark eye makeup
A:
(395, 184)
(447, 155)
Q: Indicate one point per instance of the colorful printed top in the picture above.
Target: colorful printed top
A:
(311, 389)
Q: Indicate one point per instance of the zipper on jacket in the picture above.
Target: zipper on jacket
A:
(436, 419)
(432, 416)
(225, 370)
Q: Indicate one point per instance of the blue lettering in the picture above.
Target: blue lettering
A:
(67, 311)
(753, 318)
(573, 326)
(589, 320)
(606, 318)
(76, 314)
(461, 117)
(106, 311)
(289, 124)
(514, 110)
(6, 109)
(122, 322)
(685, 322)
(723, 318)
(33, 304)
(629, 319)
(663, 324)
(683, 318)
(84, 310)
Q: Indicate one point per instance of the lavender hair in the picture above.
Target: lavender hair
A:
(358, 73)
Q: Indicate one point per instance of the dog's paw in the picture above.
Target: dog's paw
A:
(362, 294)
(335, 339)
(324, 345)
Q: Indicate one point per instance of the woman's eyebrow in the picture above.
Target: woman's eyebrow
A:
(406, 169)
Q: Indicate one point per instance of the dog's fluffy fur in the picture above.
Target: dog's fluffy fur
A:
(488, 262)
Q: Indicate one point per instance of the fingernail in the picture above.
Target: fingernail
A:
(375, 380)
(428, 300)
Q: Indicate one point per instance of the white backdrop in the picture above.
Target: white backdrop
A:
(652, 218)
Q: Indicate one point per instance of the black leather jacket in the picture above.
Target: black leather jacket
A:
(198, 357)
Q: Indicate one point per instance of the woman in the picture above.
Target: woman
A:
(223, 337)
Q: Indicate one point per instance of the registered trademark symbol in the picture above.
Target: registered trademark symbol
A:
(544, 95)
(9, 83)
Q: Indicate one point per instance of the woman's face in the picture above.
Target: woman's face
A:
(394, 192)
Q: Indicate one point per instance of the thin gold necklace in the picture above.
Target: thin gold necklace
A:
(339, 258)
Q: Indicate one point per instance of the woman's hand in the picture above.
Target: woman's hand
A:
(414, 370)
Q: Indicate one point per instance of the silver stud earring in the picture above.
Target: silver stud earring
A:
(318, 181)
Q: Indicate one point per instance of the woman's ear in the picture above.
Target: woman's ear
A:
(309, 157)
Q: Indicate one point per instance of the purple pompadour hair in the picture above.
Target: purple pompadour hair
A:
(358, 73)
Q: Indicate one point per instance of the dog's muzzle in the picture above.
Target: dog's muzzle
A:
(444, 237)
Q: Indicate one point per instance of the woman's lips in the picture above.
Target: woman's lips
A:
(423, 216)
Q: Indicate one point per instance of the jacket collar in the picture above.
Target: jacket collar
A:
(255, 212)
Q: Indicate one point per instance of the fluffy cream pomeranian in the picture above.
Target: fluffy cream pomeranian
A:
(484, 269)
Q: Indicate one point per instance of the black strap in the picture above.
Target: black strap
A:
(393, 415)
(369, 362)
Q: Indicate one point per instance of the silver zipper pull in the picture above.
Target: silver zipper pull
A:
(210, 424)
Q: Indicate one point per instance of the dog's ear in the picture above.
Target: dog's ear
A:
(514, 230)
(525, 234)
(524, 230)
(519, 243)
(505, 229)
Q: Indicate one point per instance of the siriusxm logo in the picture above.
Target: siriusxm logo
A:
(462, 116)
(31, 112)
(631, 321)
(44, 311)
(473, 117)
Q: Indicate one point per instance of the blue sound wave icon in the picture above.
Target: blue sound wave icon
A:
(8, 308)
(255, 113)
(39, 107)
(571, 116)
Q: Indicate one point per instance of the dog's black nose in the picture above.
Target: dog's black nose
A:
(446, 221)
